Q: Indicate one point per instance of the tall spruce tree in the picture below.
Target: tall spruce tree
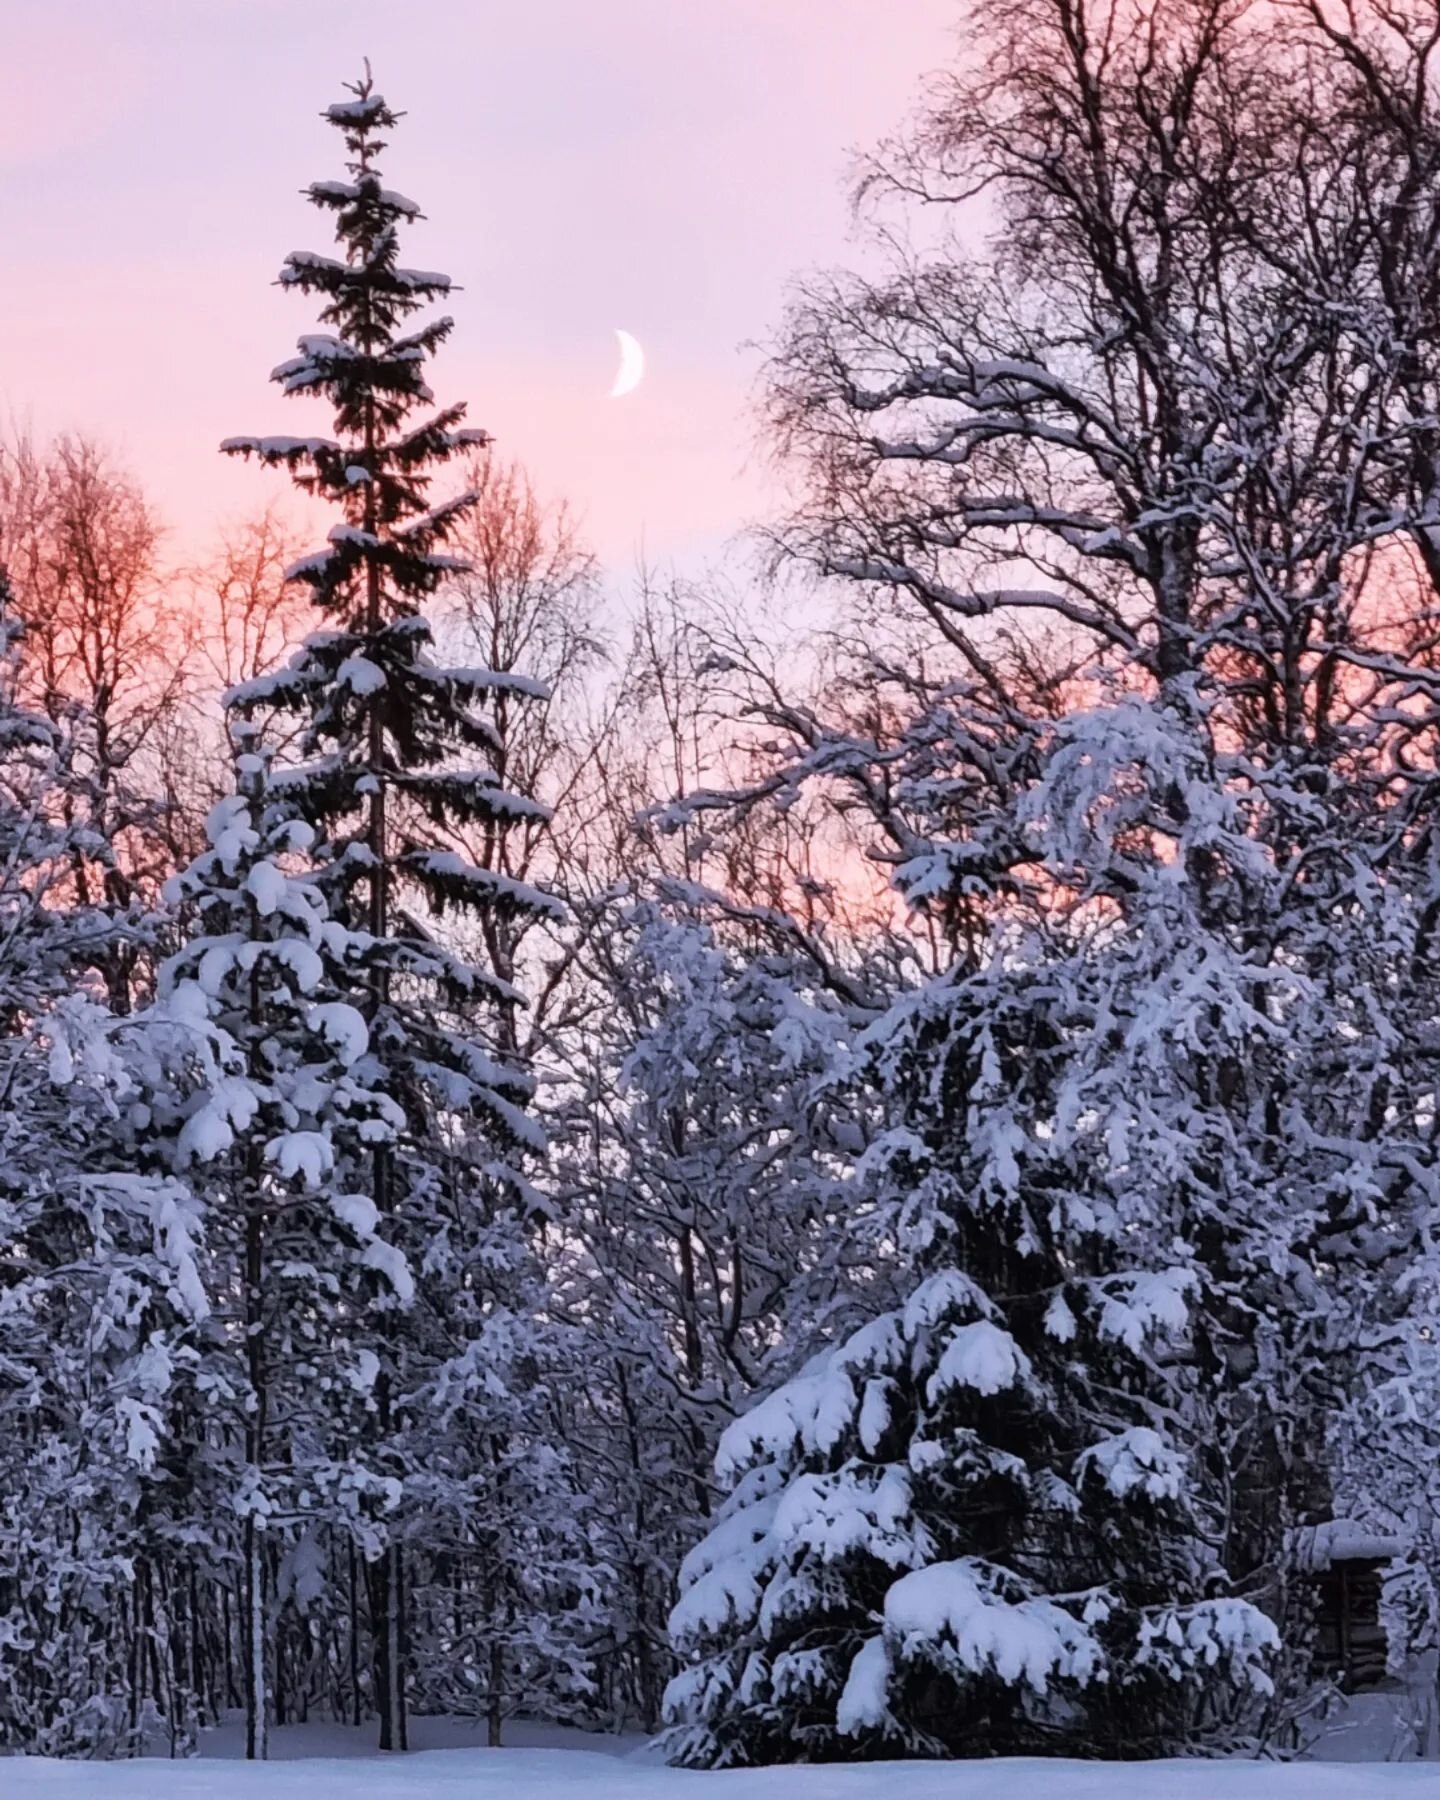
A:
(396, 749)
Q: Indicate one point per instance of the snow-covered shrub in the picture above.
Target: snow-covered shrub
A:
(942, 1540)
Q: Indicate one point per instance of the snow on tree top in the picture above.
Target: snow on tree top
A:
(316, 351)
(324, 343)
(423, 278)
(468, 436)
(298, 261)
(438, 515)
(449, 866)
(349, 112)
(355, 190)
(277, 446)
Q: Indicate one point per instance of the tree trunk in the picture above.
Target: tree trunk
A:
(495, 1712)
(387, 1634)
(257, 1736)
(357, 1715)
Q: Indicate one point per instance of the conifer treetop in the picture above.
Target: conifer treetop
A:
(371, 371)
(398, 750)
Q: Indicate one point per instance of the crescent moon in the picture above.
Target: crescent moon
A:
(632, 366)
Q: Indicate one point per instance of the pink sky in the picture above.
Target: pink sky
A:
(661, 165)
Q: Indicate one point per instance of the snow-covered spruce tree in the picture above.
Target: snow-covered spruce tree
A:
(101, 1297)
(984, 1524)
(933, 1549)
(393, 741)
(275, 1132)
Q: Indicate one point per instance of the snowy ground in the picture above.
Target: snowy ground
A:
(329, 1763)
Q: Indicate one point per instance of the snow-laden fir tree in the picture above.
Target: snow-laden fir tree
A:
(274, 1130)
(984, 1524)
(397, 747)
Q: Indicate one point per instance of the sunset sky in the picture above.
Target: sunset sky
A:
(662, 165)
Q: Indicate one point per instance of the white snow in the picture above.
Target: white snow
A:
(390, 1263)
(142, 1436)
(352, 190)
(266, 886)
(358, 1211)
(1138, 1458)
(320, 346)
(343, 1027)
(423, 278)
(278, 446)
(835, 1516)
(955, 1614)
(874, 1414)
(863, 1701)
(230, 1107)
(304, 566)
(951, 1290)
(304, 963)
(360, 675)
(345, 110)
(446, 865)
(980, 1356)
(175, 1217)
(1139, 1304)
(304, 1156)
(216, 965)
(1344, 1540)
(342, 1766)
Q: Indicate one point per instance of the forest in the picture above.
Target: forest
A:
(841, 1163)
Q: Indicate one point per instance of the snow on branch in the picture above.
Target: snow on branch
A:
(280, 449)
